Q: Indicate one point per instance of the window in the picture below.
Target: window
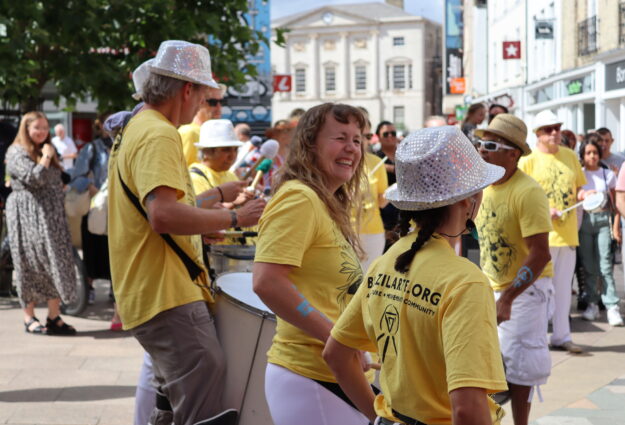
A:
(330, 74)
(300, 80)
(587, 36)
(360, 77)
(399, 114)
(399, 77)
(398, 41)
(621, 14)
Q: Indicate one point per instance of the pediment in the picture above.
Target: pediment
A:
(325, 17)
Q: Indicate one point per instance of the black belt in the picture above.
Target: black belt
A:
(406, 419)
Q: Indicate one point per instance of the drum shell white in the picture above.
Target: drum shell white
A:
(595, 202)
(245, 327)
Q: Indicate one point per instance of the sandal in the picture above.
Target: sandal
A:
(39, 329)
(54, 328)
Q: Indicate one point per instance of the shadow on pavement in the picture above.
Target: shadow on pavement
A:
(84, 393)
(612, 348)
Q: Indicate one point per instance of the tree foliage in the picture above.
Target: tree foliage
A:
(90, 47)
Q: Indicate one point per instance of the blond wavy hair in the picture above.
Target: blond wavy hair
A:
(302, 164)
(23, 139)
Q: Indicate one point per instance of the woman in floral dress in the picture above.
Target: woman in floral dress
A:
(38, 233)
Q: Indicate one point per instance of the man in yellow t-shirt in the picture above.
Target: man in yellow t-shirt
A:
(514, 225)
(161, 285)
(210, 109)
(558, 171)
(371, 225)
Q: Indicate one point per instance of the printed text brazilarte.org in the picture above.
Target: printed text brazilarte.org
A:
(403, 285)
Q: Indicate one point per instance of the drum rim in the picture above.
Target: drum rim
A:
(249, 308)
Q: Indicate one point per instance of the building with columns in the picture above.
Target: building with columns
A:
(373, 55)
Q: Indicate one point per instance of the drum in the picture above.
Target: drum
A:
(231, 258)
(245, 327)
(595, 202)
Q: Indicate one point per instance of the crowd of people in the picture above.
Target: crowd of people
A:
(356, 254)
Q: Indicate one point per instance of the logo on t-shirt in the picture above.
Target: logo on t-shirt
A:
(389, 325)
(350, 267)
(497, 254)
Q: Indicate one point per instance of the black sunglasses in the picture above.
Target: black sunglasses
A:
(215, 102)
(549, 129)
(389, 133)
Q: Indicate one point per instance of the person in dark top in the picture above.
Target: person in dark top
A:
(387, 134)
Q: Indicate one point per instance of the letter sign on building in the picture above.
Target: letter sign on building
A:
(282, 83)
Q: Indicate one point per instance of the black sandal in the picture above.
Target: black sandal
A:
(39, 329)
(53, 327)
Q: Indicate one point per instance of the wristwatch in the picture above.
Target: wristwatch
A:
(233, 218)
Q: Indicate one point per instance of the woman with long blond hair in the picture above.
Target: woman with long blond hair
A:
(38, 233)
(306, 267)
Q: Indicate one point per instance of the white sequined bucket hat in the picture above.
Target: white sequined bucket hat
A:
(436, 167)
(184, 61)
(216, 134)
(139, 76)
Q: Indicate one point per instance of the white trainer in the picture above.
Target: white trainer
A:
(591, 313)
(614, 316)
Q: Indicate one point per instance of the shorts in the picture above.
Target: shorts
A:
(523, 338)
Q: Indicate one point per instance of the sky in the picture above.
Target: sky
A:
(430, 9)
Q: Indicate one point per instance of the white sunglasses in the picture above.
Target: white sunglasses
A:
(491, 146)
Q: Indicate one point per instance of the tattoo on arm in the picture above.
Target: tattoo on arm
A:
(305, 308)
(523, 276)
(202, 199)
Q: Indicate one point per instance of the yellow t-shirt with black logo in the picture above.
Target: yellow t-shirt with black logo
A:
(510, 212)
(434, 329)
(213, 178)
(560, 175)
(148, 277)
(297, 230)
(190, 135)
(371, 220)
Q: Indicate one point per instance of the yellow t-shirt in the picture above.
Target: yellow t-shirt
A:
(213, 178)
(190, 134)
(297, 230)
(560, 175)
(510, 212)
(371, 220)
(434, 328)
(148, 277)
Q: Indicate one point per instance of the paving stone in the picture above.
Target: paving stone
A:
(583, 404)
(562, 420)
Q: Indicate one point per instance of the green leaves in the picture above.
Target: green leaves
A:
(88, 48)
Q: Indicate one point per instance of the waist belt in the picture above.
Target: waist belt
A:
(405, 419)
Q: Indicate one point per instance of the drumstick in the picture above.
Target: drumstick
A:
(262, 168)
(571, 208)
(240, 234)
(378, 165)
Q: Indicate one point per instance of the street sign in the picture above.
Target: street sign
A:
(282, 83)
(512, 50)
(457, 85)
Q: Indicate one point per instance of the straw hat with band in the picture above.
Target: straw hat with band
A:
(511, 128)
(436, 167)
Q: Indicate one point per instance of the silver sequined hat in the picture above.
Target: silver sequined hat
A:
(436, 167)
(139, 76)
(184, 61)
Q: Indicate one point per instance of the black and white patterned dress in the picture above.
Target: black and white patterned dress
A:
(38, 234)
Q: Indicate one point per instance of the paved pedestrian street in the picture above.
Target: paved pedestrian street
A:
(90, 378)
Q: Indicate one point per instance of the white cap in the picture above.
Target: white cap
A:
(438, 166)
(139, 76)
(184, 61)
(216, 134)
(545, 118)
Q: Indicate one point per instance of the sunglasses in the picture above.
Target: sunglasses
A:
(389, 133)
(215, 102)
(369, 136)
(550, 128)
(489, 146)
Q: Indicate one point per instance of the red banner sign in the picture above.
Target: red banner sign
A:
(512, 50)
(282, 83)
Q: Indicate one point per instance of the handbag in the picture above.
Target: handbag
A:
(98, 212)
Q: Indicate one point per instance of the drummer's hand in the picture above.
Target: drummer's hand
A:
(583, 194)
(212, 238)
(231, 190)
(243, 198)
(555, 213)
(249, 214)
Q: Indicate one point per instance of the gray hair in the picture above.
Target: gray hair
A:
(159, 88)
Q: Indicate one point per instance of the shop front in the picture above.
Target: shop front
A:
(614, 102)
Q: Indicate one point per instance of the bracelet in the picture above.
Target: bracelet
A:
(234, 220)
(220, 193)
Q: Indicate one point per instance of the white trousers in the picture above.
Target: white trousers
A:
(373, 245)
(563, 259)
(145, 396)
(295, 399)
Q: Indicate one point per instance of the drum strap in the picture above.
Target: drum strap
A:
(199, 172)
(192, 268)
(337, 391)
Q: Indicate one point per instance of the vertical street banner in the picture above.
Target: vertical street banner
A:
(454, 31)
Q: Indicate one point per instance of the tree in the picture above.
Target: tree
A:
(90, 47)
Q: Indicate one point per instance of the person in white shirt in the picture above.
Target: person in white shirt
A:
(64, 146)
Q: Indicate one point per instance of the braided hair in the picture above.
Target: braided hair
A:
(427, 221)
